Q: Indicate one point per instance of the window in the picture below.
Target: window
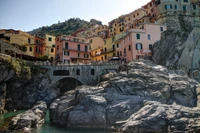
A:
(105, 50)
(53, 45)
(113, 54)
(137, 14)
(58, 47)
(129, 47)
(113, 39)
(77, 71)
(66, 53)
(105, 57)
(194, 7)
(138, 36)
(91, 41)
(29, 40)
(30, 48)
(78, 47)
(86, 48)
(104, 41)
(117, 45)
(118, 54)
(161, 28)
(149, 37)
(50, 39)
(83, 41)
(129, 38)
(78, 54)
(113, 46)
(185, 0)
(175, 6)
(52, 50)
(66, 45)
(139, 46)
(150, 47)
(167, 6)
(170, 6)
(124, 50)
(184, 8)
(92, 71)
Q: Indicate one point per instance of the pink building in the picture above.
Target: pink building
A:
(70, 49)
(138, 43)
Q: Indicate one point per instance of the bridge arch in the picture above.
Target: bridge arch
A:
(68, 83)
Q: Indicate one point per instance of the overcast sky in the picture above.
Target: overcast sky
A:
(30, 14)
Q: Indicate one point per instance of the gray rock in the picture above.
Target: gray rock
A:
(29, 119)
(109, 104)
(2, 97)
(162, 118)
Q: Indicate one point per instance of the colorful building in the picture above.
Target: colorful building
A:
(20, 39)
(71, 49)
(139, 42)
(96, 46)
(39, 46)
(186, 7)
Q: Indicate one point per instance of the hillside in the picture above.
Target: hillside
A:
(67, 27)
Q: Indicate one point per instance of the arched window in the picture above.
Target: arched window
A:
(77, 71)
(92, 71)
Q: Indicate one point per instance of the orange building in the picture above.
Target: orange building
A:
(39, 46)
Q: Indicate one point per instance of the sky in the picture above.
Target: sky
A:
(27, 15)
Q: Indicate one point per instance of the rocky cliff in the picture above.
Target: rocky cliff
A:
(142, 97)
(179, 47)
(22, 85)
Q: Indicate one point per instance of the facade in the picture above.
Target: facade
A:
(186, 7)
(97, 54)
(39, 46)
(139, 42)
(19, 39)
(70, 49)
(50, 46)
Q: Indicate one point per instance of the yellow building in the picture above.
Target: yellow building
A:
(97, 54)
(96, 45)
(50, 46)
(23, 39)
(109, 48)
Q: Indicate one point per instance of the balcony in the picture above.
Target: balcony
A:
(76, 50)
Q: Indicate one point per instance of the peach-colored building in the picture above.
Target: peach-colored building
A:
(70, 49)
(138, 43)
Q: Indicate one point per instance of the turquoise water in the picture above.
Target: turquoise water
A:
(46, 127)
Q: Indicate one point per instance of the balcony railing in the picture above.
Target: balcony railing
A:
(70, 49)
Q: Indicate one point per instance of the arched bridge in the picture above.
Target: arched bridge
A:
(86, 74)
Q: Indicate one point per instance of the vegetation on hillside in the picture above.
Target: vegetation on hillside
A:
(67, 27)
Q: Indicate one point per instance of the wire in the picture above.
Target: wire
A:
(5, 25)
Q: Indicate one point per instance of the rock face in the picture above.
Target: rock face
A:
(30, 119)
(22, 85)
(111, 103)
(23, 94)
(179, 47)
(162, 118)
(5, 75)
(2, 97)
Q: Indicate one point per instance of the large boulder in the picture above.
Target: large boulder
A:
(162, 118)
(29, 119)
(123, 95)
